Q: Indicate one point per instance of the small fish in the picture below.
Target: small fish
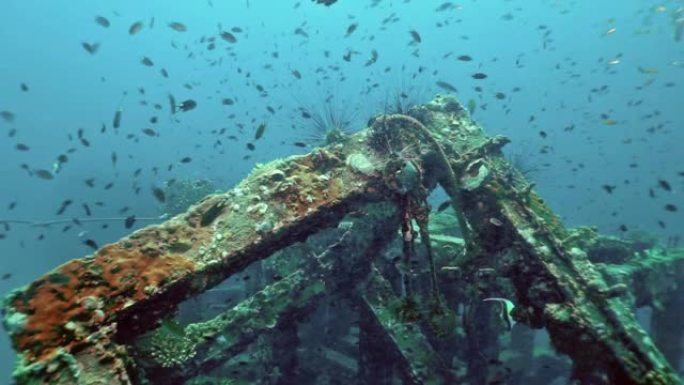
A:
(64, 206)
(86, 208)
(665, 185)
(479, 76)
(506, 309)
(670, 207)
(21, 147)
(229, 37)
(351, 29)
(135, 28)
(147, 61)
(116, 122)
(90, 243)
(43, 174)
(415, 36)
(7, 116)
(186, 160)
(465, 58)
(608, 188)
(178, 27)
(296, 74)
(250, 146)
(260, 131)
(102, 21)
(24, 87)
(6, 276)
(158, 194)
(299, 144)
(172, 103)
(187, 105)
(446, 86)
(114, 158)
(443, 206)
(129, 221)
(90, 48)
(227, 101)
(150, 132)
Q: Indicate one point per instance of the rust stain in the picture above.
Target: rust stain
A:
(74, 300)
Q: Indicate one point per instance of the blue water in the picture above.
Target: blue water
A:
(554, 52)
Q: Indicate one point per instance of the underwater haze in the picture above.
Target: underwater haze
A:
(106, 106)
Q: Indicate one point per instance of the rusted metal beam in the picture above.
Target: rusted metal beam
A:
(557, 286)
(418, 362)
(122, 289)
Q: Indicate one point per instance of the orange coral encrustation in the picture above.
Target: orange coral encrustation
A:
(71, 302)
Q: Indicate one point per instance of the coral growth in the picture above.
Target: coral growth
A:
(67, 305)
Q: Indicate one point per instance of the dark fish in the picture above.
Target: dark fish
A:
(102, 21)
(296, 74)
(7, 116)
(479, 76)
(250, 146)
(135, 28)
(501, 95)
(64, 206)
(178, 27)
(90, 48)
(90, 243)
(229, 37)
(623, 228)
(6, 276)
(665, 185)
(299, 144)
(43, 174)
(228, 102)
(86, 208)
(464, 58)
(90, 182)
(158, 194)
(186, 160)
(415, 36)
(129, 222)
(260, 131)
(114, 158)
(351, 29)
(116, 123)
(443, 206)
(21, 147)
(172, 102)
(147, 61)
(164, 73)
(446, 86)
(149, 132)
(187, 105)
(24, 87)
(670, 207)
(608, 188)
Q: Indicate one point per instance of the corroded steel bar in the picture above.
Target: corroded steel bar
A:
(125, 287)
(418, 361)
(557, 287)
(335, 271)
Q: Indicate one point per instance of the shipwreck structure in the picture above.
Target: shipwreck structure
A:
(348, 228)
